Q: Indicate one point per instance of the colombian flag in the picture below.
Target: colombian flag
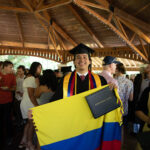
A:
(68, 124)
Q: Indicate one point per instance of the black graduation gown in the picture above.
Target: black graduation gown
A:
(82, 86)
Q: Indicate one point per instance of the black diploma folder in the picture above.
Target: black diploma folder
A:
(102, 102)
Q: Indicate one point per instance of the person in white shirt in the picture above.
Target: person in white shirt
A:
(19, 93)
(29, 100)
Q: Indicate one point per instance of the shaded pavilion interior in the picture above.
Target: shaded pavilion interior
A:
(49, 28)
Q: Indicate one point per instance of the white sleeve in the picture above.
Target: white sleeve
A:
(30, 82)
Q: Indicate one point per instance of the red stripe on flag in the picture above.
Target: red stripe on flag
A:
(110, 145)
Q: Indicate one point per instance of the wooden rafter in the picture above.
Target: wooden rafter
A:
(133, 36)
(79, 3)
(103, 3)
(86, 27)
(39, 4)
(27, 4)
(119, 25)
(144, 49)
(54, 5)
(52, 40)
(60, 40)
(124, 15)
(94, 5)
(47, 18)
(20, 29)
(15, 9)
(132, 20)
(140, 10)
(136, 30)
(110, 17)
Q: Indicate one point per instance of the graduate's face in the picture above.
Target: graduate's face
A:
(82, 62)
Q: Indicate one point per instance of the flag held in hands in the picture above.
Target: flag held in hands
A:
(68, 124)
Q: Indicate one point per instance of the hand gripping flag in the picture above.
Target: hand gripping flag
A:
(68, 124)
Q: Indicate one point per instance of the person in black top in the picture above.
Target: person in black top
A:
(82, 62)
(143, 112)
(143, 107)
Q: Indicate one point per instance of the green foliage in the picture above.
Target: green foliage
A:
(16, 60)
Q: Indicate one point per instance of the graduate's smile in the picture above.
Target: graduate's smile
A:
(82, 61)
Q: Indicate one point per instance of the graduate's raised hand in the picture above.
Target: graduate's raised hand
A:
(112, 85)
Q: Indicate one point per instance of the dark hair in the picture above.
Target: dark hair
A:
(1, 63)
(49, 79)
(23, 68)
(120, 67)
(33, 68)
(7, 63)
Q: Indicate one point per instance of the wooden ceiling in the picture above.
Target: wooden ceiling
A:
(62, 24)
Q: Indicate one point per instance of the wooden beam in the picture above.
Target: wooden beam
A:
(15, 9)
(60, 40)
(124, 15)
(52, 40)
(103, 3)
(27, 4)
(20, 29)
(40, 4)
(136, 30)
(145, 51)
(47, 19)
(94, 5)
(132, 38)
(54, 5)
(140, 10)
(110, 17)
(132, 20)
(85, 26)
(58, 29)
(99, 17)
(119, 25)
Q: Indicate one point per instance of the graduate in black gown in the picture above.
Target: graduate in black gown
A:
(82, 62)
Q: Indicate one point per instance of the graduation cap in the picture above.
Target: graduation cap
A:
(66, 69)
(56, 70)
(81, 49)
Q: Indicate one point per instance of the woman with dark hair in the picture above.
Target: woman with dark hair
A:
(48, 85)
(29, 101)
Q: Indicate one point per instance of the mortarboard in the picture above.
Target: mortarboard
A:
(81, 49)
(66, 69)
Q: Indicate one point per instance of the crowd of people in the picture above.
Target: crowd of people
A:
(28, 88)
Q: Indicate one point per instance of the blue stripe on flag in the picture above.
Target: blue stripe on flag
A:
(88, 141)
